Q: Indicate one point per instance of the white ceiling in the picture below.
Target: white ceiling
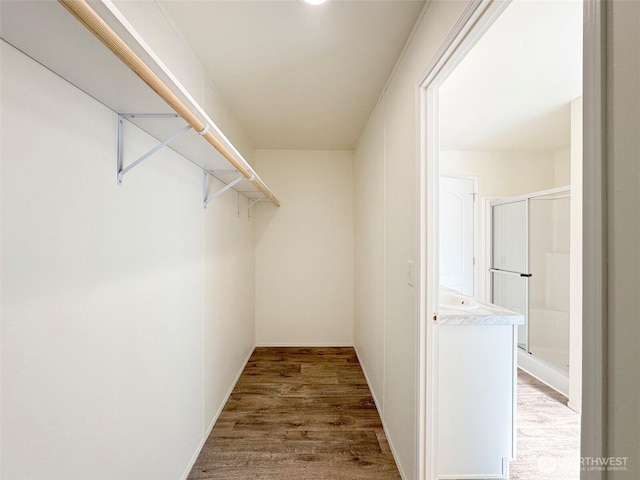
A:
(298, 76)
(512, 91)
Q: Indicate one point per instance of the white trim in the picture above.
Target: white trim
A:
(470, 477)
(574, 407)
(472, 24)
(215, 418)
(305, 345)
(384, 427)
(428, 427)
(542, 371)
(488, 244)
(594, 299)
(384, 252)
(373, 393)
(477, 241)
(475, 20)
(527, 196)
(514, 393)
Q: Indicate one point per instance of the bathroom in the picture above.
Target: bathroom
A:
(511, 192)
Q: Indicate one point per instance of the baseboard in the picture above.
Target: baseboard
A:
(469, 477)
(543, 372)
(215, 418)
(366, 377)
(574, 407)
(304, 345)
(384, 427)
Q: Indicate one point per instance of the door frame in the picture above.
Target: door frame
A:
(473, 23)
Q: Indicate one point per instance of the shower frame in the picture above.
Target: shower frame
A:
(553, 378)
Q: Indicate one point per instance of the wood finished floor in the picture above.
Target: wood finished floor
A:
(298, 413)
(548, 445)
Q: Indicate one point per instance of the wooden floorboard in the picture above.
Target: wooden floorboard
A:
(548, 445)
(298, 413)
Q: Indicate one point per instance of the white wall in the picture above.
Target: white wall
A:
(229, 297)
(502, 173)
(304, 249)
(392, 225)
(623, 171)
(562, 162)
(229, 294)
(108, 324)
(369, 233)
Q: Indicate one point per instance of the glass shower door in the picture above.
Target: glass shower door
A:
(549, 289)
(510, 261)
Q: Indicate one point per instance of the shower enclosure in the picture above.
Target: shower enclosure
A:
(529, 273)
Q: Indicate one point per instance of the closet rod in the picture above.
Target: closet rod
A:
(96, 25)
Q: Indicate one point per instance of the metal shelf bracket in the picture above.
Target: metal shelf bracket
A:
(248, 207)
(206, 199)
(122, 170)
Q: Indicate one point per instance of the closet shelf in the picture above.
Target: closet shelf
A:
(103, 55)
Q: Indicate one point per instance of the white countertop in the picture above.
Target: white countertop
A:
(483, 313)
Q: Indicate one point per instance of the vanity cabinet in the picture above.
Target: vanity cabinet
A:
(477, 377)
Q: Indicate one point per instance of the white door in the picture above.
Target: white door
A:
(457, 198)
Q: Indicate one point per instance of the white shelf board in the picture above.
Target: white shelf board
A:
(48, 33)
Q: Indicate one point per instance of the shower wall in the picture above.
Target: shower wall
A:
(549, 229)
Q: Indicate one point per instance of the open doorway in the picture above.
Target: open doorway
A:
(511, 113)
(512, 167)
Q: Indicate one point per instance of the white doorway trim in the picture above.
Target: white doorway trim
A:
(474, 22)
(594, 235)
